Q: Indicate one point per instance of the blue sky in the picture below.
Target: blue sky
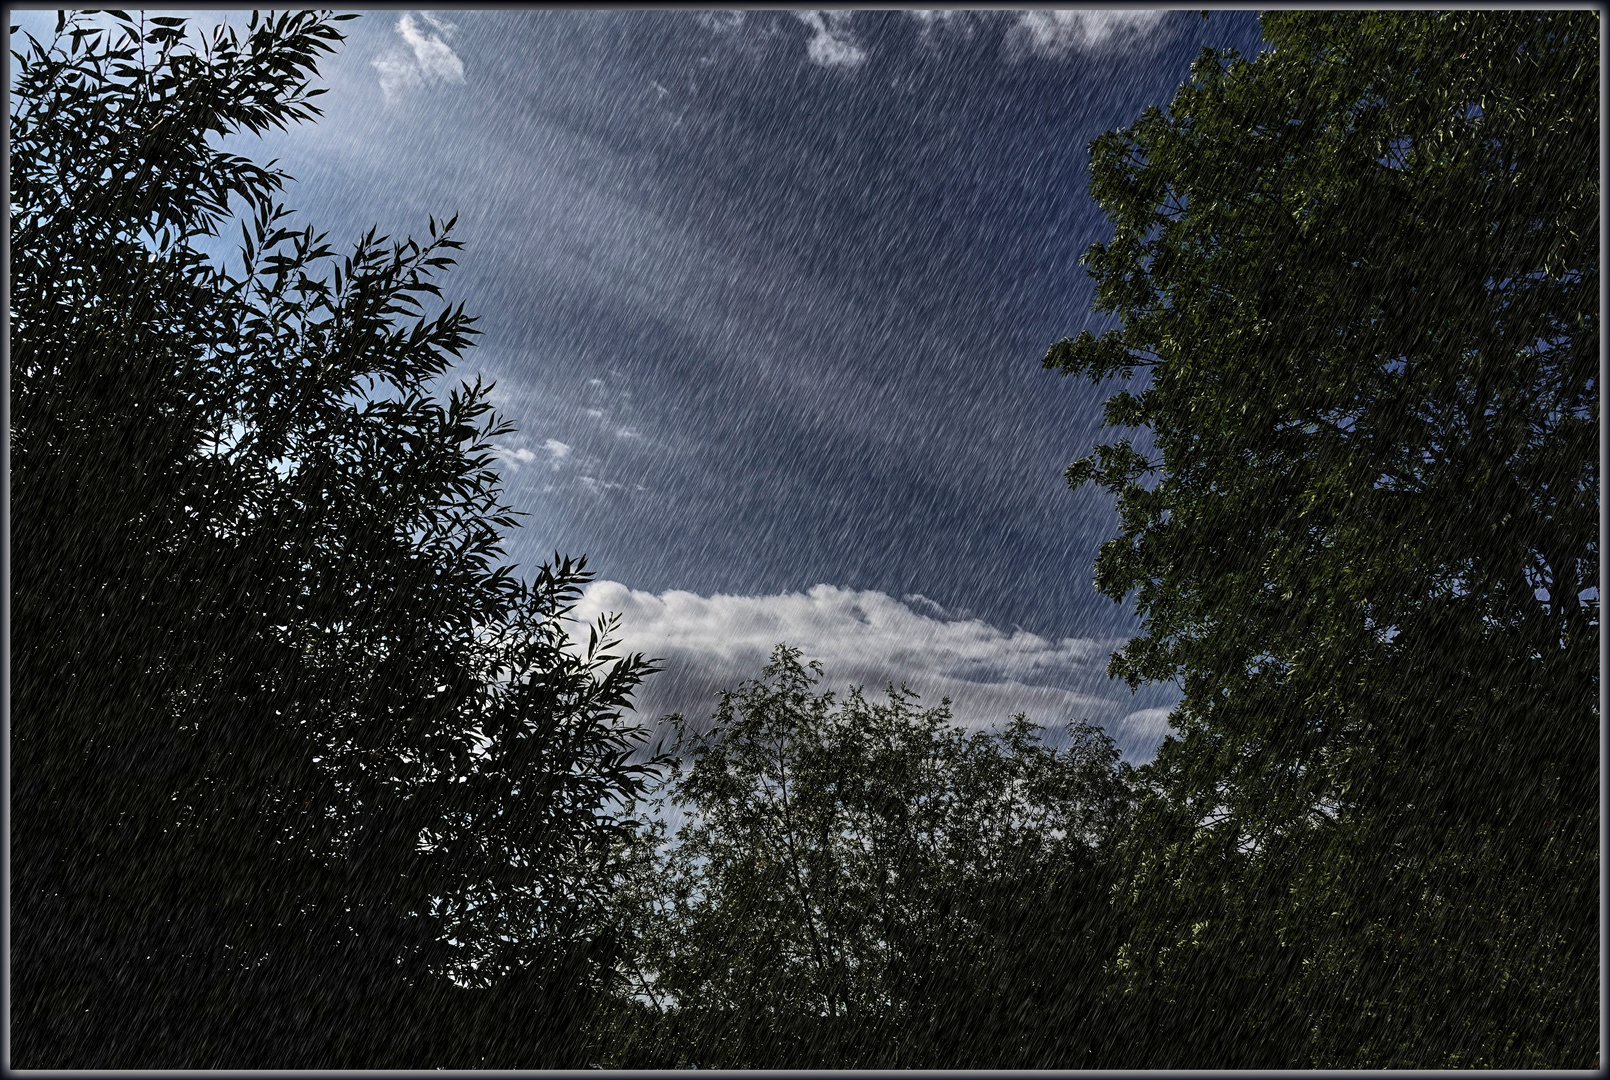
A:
(766, 294)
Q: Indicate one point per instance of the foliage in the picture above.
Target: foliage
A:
(305, 776)
(1359, 274)
(861, 884)
(292, 747)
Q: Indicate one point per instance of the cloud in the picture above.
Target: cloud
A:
(721, 21)
(431, 53)
(563, 456)
(513, 458)
(833, 45)
(865, 638)
(917, 600)
(1055, 34)
(431, 59)
(1145, 724)
(557, 453)
(943, 23)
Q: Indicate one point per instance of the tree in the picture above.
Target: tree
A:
(1360, 274)
(303, 774)
(861, 884)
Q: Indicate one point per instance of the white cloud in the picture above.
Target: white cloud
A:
(865, 638)
(1145, 724)
(721, 21)
(562, 456)
(513, 458)
(1055, 34)
(1139, 733)
(833, 45)
(917, 600)
(432, 54)
(396, 74)
(431, 59)
(943, 22)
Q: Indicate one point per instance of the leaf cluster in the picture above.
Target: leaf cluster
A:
(862, 883)
(1360, 276)
(280, 706)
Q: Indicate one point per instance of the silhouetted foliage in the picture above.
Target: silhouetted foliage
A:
(1360, 275)
(862, 884)
(302, 774)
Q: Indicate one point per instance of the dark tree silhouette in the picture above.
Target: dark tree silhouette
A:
(862, 884)
(1360, 274)
(302, 774)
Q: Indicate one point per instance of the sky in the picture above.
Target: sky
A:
(766, 294)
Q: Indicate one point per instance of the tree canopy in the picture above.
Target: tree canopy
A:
(305, 774)
(863, 884)
(302, 773)
(1359, 277)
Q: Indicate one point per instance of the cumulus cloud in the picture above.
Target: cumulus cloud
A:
(557, 450)
(865, 638)
(1055, 34)
(833, 44)
(428, 57)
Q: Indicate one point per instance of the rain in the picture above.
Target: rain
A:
(875, 733)
(766, 298)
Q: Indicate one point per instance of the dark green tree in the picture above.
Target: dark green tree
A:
(1359, 275)
(861, 884)
(302, 774)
